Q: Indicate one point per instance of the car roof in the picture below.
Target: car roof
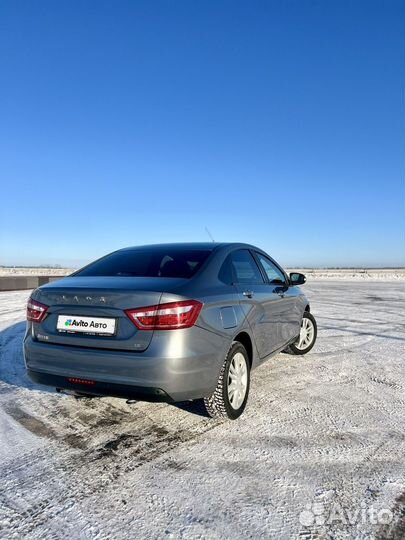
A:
(189, 245)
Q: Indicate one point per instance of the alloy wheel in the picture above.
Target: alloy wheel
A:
(306, 334)
(237, 380)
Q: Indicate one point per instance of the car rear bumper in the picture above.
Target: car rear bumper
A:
(97, 388)
(178, 365)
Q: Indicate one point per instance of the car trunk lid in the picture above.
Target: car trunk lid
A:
(98, 299)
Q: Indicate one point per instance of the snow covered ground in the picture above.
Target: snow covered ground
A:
(353, 274)
(319, 452)
(346, 274)
(26, 271)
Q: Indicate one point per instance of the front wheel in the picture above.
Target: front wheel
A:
(231, 393)
(306, 339)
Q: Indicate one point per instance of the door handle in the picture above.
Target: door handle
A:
(279, 291)
(249, 294)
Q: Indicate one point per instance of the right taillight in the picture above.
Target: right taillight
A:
(36, 311)
(170, 316)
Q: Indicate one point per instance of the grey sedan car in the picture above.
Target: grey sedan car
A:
(169, 322)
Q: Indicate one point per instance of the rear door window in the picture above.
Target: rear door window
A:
(226, 272)
(245, 268)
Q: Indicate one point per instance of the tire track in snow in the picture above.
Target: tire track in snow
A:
(119, 455)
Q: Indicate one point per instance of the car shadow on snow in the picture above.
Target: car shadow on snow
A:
(193, 407)
(12, 366)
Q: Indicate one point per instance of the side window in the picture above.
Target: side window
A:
(226, 273)
(245, 267)
(274, 274)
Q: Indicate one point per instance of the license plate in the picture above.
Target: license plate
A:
(86, 325)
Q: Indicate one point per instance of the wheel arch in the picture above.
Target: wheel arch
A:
(246, 341)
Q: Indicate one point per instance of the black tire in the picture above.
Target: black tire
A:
(218, 404)
(293, 349)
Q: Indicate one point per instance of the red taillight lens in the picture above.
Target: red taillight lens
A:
(166, 316)
(36, 311)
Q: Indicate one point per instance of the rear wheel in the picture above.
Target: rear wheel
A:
(231, 394)
(306, 339)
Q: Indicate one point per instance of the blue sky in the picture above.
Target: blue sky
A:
(279, 123)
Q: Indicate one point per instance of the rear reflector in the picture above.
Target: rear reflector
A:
(36, 311)
(75, 380)
(166, 316)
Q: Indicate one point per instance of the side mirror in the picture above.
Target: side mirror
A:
(297, 279)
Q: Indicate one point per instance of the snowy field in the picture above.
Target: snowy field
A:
(318, 454)
(26, 271)
(346, 274)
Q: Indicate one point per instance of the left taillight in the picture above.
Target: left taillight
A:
(169, 316)
(36, 311)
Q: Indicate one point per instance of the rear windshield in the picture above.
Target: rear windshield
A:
(175, 263)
